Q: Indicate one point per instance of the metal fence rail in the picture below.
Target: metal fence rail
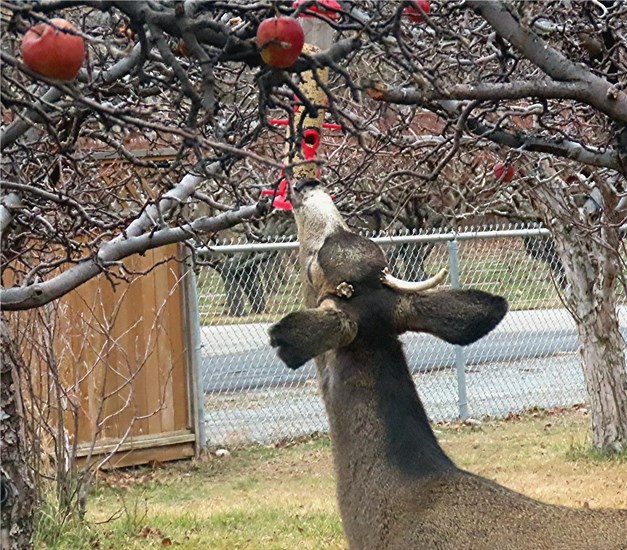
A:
(529, 360)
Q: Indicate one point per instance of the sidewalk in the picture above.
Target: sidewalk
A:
(228, 339)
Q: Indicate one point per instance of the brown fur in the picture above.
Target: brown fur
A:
(397, 489)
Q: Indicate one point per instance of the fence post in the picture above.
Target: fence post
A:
(196, 391)
(460, 356)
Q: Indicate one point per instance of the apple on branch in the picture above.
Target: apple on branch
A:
(280, 41)
(504, 173)
(413, 10)
(49, 51)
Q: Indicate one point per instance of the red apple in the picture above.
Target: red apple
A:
(503, 173)
(321, 7)
(280, 41)
(414, 13)
(52, 52)
(125, 31)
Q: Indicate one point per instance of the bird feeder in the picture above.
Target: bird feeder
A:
(318, 36)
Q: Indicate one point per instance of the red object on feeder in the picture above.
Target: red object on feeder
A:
(285, 122)
(309, 146)
(281, 200)
(310, 143)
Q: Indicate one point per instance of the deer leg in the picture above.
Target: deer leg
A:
(303, 335)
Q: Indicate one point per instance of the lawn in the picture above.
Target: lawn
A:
(283, 498)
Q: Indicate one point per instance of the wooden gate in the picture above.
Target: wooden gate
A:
(126, 356)
(108, 369)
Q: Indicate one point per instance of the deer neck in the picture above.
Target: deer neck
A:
(316, 219)
(376, 418)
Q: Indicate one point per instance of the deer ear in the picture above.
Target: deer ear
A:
(303, 335)
(454, 315)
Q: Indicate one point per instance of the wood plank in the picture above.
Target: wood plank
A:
(179, 327)
(175, 325)
(104, 305)
(143, 342)
(180, 451)
(117, 313)
(160, 311)
(189, 344)
(142, 449)
(139, 442)
(82, 367)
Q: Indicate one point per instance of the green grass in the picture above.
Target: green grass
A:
(583, 452)
(283, 298)
(264, 497)
(525, 283)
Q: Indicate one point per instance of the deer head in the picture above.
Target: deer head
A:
(356, 297)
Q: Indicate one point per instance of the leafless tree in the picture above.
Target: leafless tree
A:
(425, 108)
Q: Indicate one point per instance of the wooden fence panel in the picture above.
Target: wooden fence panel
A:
(122, 355)
(146, 399)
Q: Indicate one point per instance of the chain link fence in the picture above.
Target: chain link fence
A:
(529, 360)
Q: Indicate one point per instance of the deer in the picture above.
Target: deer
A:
(396, 486)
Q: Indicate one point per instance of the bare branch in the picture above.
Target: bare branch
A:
(541, 89)
(32, 116)
(36, 295)
(10, 202)
(601, 94)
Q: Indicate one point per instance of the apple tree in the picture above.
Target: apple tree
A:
(430, 96)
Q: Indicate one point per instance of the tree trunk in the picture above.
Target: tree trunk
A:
(234, 293)
(18, 494)
(589, 254)
(592, 299)
(241, 278)
(604, 369)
